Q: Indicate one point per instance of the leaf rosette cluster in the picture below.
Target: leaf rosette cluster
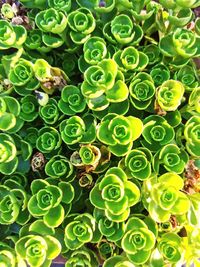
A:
(115, 195)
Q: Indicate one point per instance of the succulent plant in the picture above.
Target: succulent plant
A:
(138, 241)
(113, 231)
(11, 36)
(75, 129)
(130, 59)
(79, 231)
(166, 199)
(94, 50)
(13, 206)
(47, 199)
(172, 158)
(137, 163)
(180, 45)
(122, 30)
(142, 90)
(115, 188)
(103, 84)
(51, 20)
(60, 167)
(157, 133)
(81, 23)
(72, 101)
(49, 140)
(170, 94)
(99, 133)
(8, 256)
(9, 112)
(170, 247)
(37, 250)
(119, 132)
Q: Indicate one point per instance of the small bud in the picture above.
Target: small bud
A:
(7, 11)
(102, 3)
(42, 98)
(38, 162)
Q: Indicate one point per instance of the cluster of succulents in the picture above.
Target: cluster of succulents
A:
(99, 133)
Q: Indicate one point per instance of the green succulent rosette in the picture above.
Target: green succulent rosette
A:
(188, 76)
(123, 31)
(60, 167)
(130, 59)
(75, 129)
(8, 159)
(35, 41)
(8, 256)
(47, 201)
(113, 231)
(50, 112)
(60, 5)
(106, 249)
(180, 46)
(89, 155)
(80, 229)
(82, 24)
(114, 194)
(104, 84)
(9, 208)
(72, 100)
(83, 256)
(156, 132)
(38, 250)
(48, 140)
(138, 241)
(172, 158)
(51, 20)
(22, 77)
(29, 108)
(118, 261)
(153, 53)
(166, 199)
(11, 36)
(13, 204)
(95, 50)
(160, 73)
(119, 132)
(10, 121)
(142, 90)
(191, 133)
(170, 94)
(137, 163)
(170, 247)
